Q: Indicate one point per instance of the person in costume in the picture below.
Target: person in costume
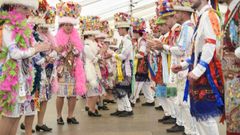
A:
(103, 65)
(70, 71)
(44, 65)
(166, 11)
(231, 42)
(181, 51)
(162, 73)
(92, 57)
(124, 57)
(205, 83)
(157, 30)
(16, 76)
(106, 66)
(42, 62)
(142, 67)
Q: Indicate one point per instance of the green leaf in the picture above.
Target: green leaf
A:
(12, 73)
(4, 68)
(18, 38)
(24, 23)
(2, 78)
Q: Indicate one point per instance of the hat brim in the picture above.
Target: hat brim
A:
(28, 3)
(67, 19)
(102, 35)
(36, 20)
(181, 8)
(91, 32)
(122, 25)
(168, 14)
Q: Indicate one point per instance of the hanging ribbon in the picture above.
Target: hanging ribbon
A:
(135, 62)
(119, 69)
(151, 70)
(190, 62)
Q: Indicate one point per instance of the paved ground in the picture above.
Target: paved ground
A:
(144, 122)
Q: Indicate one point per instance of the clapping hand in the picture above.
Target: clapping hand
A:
(42, 47)
(176, 68)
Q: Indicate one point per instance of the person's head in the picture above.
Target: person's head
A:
(123, 31)
(42, 29)
(107, 43)
(89, 37)
(156, 34)
(164, 28)
(198, 4)
(182, 16)
(170, 21)
(22, 9)
(67, 27)
(137, 34)
(100, 39)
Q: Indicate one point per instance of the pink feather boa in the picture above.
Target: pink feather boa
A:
(62, 40)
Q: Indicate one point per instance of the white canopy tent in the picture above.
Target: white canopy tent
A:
(107, 8)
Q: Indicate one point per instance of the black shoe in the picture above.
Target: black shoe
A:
(138, 100)
(175, 129)
(148, 104)
(22, 126)
(60, 121)
(116, 113)
(164, 118)
(109, 101)
(184, 133)
(86, 109)
(72, 121)
(132, 104)
(91, 114)
(43, 128)
(170, 121)
(159, 108)
(126, 114)
(105, 108)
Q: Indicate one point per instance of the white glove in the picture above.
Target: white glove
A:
(237, 52)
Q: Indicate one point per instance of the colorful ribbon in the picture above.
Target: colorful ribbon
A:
(119, 69)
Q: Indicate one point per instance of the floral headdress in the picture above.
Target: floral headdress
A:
(165, 8)
(38, 15)
(50, 16)
(105, 29)
(122, 20)
(69, 12)
(182, 5)
(138, 24)
(90, 25)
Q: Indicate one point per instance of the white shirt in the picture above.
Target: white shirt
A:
(206, 49)
(142, 44)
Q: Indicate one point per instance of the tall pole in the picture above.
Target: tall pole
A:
(131, 7)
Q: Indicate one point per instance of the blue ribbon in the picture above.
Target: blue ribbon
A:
(150, 69)
(190, 62)
(212, 84)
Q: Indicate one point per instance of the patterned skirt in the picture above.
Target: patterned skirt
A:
(66, 85)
